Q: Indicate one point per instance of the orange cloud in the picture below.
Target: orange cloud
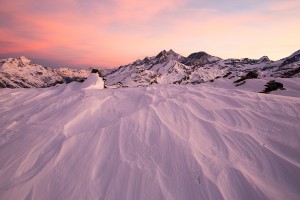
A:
(113, 33)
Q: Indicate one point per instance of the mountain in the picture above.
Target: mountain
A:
(148, 71)
(167, 67)
(22, 72)
(70, 75)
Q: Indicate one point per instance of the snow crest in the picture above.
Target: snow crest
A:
(93, 82)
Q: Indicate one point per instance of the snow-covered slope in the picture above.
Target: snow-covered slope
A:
(22, 72)
(157, 142)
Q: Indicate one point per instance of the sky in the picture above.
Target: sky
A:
(110, 33)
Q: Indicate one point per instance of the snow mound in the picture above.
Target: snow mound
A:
(93, 82)
(159, 142)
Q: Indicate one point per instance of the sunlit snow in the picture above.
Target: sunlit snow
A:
(158, 142)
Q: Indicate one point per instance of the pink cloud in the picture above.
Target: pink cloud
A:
(117, 32)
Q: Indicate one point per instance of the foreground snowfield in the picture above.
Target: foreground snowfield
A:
(158, 142)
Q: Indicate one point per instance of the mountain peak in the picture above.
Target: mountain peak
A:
(264, 59)
(199, 59)
(198, 55)
(170, 55)
(171, 52)
(164, 52)
(161, 54)
(24, 60)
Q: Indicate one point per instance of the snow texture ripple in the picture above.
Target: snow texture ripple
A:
(158, 142)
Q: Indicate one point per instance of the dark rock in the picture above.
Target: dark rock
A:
(249, 75)
(272, 86)
(227, 74)
(291, 73)
(291, 60)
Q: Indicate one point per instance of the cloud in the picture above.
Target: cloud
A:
(111, 33)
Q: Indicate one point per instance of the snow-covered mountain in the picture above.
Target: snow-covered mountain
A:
(70, 75)
(167, 67)
(22, 72)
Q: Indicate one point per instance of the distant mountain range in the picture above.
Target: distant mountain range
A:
(22, 72)
(167, 67)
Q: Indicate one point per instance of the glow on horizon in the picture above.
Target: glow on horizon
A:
(110, 33)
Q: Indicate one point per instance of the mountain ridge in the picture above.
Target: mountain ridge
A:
(197, 68)
(167, 67)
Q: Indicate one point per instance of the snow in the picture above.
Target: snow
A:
(93, 81)
(291, 85)
(158, 142)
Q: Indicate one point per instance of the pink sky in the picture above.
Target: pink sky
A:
(109, 33)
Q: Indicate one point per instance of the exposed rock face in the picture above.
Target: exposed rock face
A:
(199, 59)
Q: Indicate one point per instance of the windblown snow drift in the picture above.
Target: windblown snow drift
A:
(158, 142)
